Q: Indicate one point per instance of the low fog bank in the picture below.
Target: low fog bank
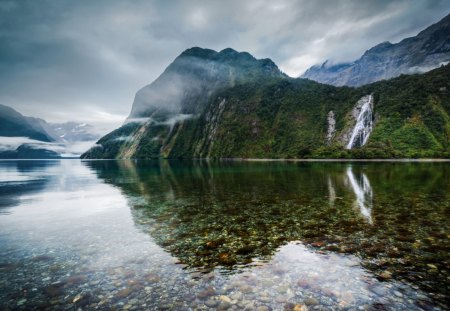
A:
(65, 149)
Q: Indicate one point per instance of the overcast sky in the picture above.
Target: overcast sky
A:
(84, 60)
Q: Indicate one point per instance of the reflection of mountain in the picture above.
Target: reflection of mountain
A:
(220, 215)
(229, 214)
(21, 178)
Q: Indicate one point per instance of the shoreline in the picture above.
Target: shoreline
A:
(337, 160)
(251, 160)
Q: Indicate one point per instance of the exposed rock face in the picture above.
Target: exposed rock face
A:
(331, 126)
(426, 51)
(212, 121)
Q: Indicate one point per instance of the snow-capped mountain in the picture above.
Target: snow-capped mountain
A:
(428, 50)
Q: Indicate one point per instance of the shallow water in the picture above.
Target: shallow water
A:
(224, 235)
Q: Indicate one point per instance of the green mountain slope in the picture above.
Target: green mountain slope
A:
(261, 113)
(14, 124)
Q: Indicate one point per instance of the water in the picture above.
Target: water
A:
(227, 235)
(364, 122)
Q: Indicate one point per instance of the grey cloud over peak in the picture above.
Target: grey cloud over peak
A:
(84, 60)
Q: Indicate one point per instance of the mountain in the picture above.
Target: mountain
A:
(428, 50)
(182, 92)
(71, 131)
(28, 137)
(227, 104)
(187, 84)
(23, 137)
(14, 124)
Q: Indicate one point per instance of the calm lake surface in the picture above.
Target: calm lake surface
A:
(224, 235)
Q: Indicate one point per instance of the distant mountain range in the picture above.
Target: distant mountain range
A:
(428, 50)
(70, 131)
(227, 104)
(28, 137)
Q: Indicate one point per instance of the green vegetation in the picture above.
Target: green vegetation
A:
(109, 146)
(280, 117)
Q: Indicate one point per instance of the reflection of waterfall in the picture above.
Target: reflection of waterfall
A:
(364, 122)
(331, 192)
(363, 192)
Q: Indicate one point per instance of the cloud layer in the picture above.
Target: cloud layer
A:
(84, 60)
(70, 149)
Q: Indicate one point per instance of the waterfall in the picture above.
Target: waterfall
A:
(363, 193)
(364, 122)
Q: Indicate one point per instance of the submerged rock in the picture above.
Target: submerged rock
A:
(123, 293)
(311, 301)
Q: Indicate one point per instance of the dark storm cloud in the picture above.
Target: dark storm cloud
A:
(84, 60)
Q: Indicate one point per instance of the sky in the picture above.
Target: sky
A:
(84, 60)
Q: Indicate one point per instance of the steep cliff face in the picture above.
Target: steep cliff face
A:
(188, 83)
(269, 115)
(426, 51)
(182, 93)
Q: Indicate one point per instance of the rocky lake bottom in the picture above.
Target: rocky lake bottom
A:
(197, 235)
